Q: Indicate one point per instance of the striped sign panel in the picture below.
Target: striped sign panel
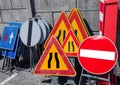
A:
(101, 13)
(30, 33)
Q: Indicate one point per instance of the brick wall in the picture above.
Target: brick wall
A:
(14, 10)
(20, 10)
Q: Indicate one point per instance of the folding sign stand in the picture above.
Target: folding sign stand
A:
(88, 75)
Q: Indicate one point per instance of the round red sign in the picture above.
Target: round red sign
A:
(97, 55)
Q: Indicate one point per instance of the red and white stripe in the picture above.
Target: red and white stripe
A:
(101, 16)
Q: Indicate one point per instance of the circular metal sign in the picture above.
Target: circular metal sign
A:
(47, 26)
(30, 33)
(97, 55)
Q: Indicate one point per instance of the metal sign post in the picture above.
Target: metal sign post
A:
(30, 35)
(71, 80)
(7, 63)
(85, 74)
(97, 55)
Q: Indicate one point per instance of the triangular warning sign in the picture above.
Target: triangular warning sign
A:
(60, 29)
(71, 44)
(54, 61)
(78, 24)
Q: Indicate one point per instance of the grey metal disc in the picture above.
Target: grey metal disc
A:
(30, 33)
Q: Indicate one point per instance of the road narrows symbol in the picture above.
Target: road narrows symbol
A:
(61, 34)
(71, 44)
(56, 58)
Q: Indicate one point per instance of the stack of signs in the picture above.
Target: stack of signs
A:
(54, 61)
(10, 39)
(34, 31)
(68, 33)
(71, 42)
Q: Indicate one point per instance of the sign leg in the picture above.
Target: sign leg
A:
(4, 61)
(30, 58)
(10, 68)
(33, 57)
(71, 80)
(81, 78)
(55, 79)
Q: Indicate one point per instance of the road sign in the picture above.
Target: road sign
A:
(12, 53)
(15, 24)
(71, 44)
(54, 61)
(78, 24)
(9, 37)
(60, 29)
(30, 33)
(97, 55)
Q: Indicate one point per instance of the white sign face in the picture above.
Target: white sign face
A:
(47, 26)
(30, 33)
(44, 30)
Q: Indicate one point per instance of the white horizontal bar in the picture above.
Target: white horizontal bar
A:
(98, 54)
(102, 1)
(101, 16)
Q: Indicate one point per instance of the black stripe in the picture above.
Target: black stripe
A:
(29, 33)
(49, 61)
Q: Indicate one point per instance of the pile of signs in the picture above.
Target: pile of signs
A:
(63, 42)
(31, 33)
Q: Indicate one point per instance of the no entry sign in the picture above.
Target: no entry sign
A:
(97, 55)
